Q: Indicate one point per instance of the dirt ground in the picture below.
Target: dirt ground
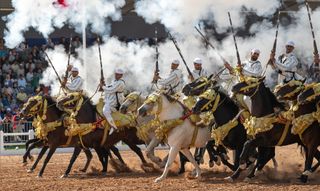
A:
(13, 175)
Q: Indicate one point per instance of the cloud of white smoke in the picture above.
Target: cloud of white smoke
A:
(46, 15)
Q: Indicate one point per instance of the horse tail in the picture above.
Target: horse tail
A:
(302, 148)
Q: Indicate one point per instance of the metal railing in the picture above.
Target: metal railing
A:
(21, 128)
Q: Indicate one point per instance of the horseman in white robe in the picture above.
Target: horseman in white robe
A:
(74, 82)
(173, 82)
(251, 68)
(286, 64)
(198, 71)
(114, 97)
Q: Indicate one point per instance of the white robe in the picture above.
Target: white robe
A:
(174, 81)
(112, 91)
(74, 84)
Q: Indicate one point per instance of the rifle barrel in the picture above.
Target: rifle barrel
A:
(179, 51)
(53, 67)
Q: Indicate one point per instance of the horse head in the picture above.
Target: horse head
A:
(69, 101)
(152, 105)
(289, 91)
(33, 106)
(198, 86)
(249, 86)
(131, 103)
(207, 101)
(310, 93)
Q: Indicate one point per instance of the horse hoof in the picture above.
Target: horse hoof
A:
(30, 171)
(304, 178)
(242, 166)
(225, 156)
(64, 176)
(229, 179)
(218, 162)
(247, 179)
(211, 164)
(83, 170)
(181, 171)
(157, 180)
(39, 176)
(258, 172)
(24, 164)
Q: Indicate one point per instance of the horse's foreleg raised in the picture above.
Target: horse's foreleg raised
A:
(115, 151)
(27, 154)
(36, 143)
(172, 155)
(136, 149)
(150, 151)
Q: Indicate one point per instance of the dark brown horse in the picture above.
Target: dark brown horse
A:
(126, 135)
(227, 111)
(56, 138)
(264, 103)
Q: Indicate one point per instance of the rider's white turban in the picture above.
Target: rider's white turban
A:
(197, 61)
(74, 69)
(290, 43)
(119, 71)
(176, 62)
(255, 50)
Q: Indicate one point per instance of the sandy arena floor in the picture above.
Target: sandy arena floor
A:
(13, 175)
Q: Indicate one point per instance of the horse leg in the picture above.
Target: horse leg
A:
(183, 161)
(89, 158)
(51, 151)
(42, 152)
(137, 150)
(213, 154)
(75, 155)
(115, 151)
(38, 143)
(103, 157)
(200, 154)
(150, 151)
(265, 154)
(317, 156)
(27, 154)
(189, 156)
(172, 155)
(308, 164)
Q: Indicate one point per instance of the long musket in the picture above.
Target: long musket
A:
(178, 49)
(101, 68)
(274, 48)
(235, 43)
(156, 72)
(208, 42)
(69, 53)
(53, 67)
(315, 48)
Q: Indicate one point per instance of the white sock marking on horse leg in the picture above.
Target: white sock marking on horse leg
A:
(172, 155)
(189, 156)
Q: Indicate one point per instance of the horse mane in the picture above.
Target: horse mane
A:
(273, 98)
(50, 100)
(228, 99)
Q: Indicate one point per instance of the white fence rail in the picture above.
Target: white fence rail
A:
(10, 140)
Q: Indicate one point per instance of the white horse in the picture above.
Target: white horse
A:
(130, 105)
(180, 138)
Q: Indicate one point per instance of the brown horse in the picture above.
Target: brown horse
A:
(126, 134)
(36, 106)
